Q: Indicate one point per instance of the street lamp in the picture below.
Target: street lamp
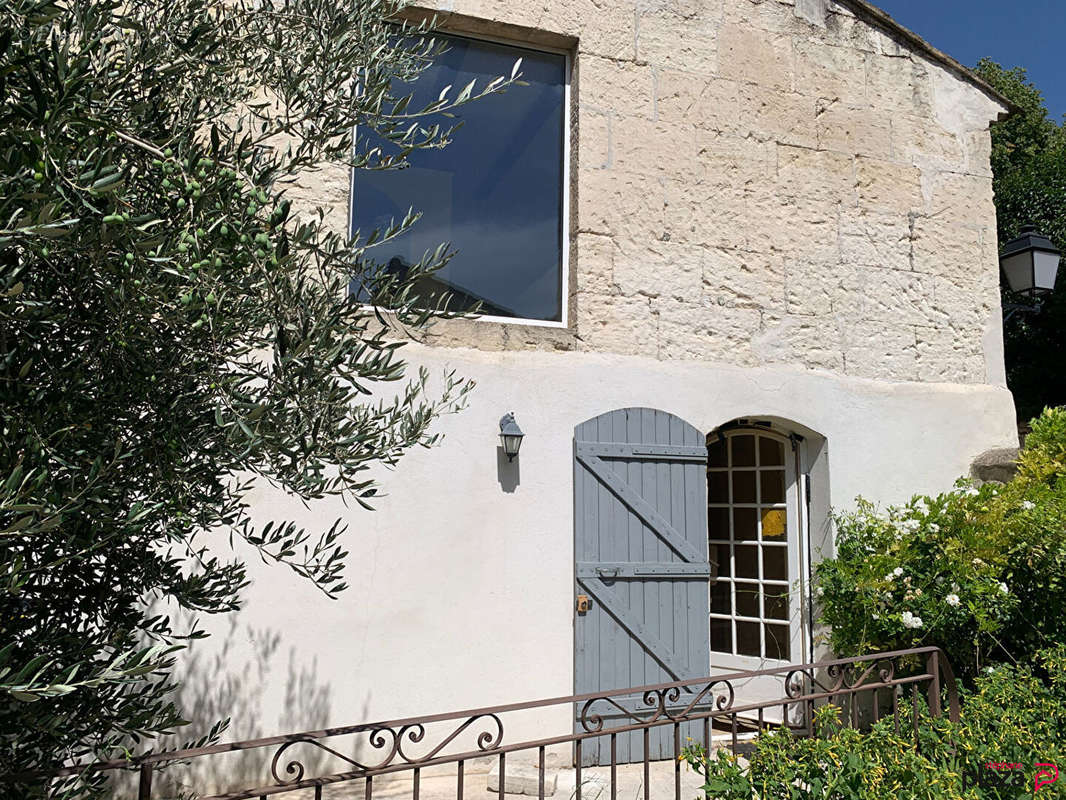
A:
(1030, 264)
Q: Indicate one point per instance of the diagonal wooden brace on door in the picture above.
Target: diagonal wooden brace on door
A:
(651, 643)
(641, 507)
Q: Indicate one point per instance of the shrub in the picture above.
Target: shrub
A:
(978, 572)
(1014, 715)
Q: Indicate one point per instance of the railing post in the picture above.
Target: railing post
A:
(144, 783)
(933, 667)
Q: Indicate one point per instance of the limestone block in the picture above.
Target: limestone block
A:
(642, 146)
(603, 27)
(618, 86)
(815, 174)
(755, 56)
(965, 304)
(701, 101)
(594, 265)
(832, 72)
(879, 239)
(765, 16)
(328, 188)
(659, 269)
(948, 354)
(741, 279)
(622, 204)
(915, 137)
(818, 289)
(813, 342)
(900, 296)
(795, 227)
(960, 198)
(882, 185)
(616, 324)
(946, 248)
(780, 116)
(844, 30)
(855, 130)
(880, 351)
(977, 146)
(671, 42)
(899, 84)
(594, 784)
(813, 11)
(733, 161)
(690, 330)
(521, 778)
(702, 213)
(695, 11)
(594, 140)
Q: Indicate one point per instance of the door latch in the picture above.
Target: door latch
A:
(583, 604)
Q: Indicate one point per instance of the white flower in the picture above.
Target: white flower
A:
(890, 577)
(954, 586)
(1028, 505)
(952, 600)
(971, 492)
(910, 620)
(934, 528)
(897, 571)
(819, 591)
(1003, 588)
(921, 506)
(990, 670)
(910, 525)
(876, 616)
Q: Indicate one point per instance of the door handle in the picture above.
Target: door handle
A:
(607, 572)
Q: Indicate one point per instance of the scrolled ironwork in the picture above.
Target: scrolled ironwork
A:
(723, 702)
(296, 769)
(593, 723)
(415, 732)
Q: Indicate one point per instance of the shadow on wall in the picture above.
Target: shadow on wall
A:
(229, 676)
(507, 472)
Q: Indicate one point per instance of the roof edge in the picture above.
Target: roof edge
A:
(875, 16)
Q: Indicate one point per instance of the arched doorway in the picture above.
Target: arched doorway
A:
(756, 540)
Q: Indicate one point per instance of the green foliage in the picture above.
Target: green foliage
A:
(1029, 169)
(1016, 715)
(977, 572)
(173, 328)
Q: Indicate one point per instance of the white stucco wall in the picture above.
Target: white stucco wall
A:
(462, 593)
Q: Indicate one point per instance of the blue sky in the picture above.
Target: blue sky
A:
(1024, 33)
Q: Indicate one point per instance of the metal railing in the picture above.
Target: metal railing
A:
(867, 688)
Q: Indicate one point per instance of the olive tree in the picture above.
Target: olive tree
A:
(174, 329)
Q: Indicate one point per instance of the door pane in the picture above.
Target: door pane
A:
(746, 558)
(747, 600)
(745, 524)
(771, 452)
(718, 523)
(721, 552)
(748, 643)
(717, 454)
(774, 522)
(720, 602)
(773, 486)
(717, 487)
(777, 642)
(776, 601)
(722, 635)
(743, 451)
(775, 563)
(744, 486)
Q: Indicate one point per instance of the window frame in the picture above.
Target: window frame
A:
(565, 177)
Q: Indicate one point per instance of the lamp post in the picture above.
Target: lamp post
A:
(1030, 265)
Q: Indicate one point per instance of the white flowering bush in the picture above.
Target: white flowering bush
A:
(976, 571)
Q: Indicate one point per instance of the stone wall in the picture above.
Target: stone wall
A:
(758, 182)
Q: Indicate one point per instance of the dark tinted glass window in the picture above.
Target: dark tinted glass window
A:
(495, 194)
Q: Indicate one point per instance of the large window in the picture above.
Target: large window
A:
(495, 194)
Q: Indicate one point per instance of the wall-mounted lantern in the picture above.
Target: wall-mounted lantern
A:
(510, 435)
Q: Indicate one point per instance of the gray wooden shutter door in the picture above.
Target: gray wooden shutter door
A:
(640, 511)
